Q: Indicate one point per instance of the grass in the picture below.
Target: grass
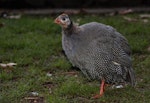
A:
(34, 43)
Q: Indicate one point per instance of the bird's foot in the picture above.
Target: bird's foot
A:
(101, 90)
(97, 96)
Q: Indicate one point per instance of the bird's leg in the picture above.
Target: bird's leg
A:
(101, 92)
(102, 87)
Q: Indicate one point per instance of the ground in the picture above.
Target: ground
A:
(42, 71)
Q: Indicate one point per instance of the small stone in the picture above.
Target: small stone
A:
(35, 93)
(49, 74)
(119, 86)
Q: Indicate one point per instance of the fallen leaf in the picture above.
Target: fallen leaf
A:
(119, 86)
(113, 13)
(123, 12)
(145, 20)
(145, 16)
(49, 74)
(8, 65)
(11, 64)
(3, 65)
(14, 17)
(34, 93)
(9, 15)
(130, 19)
(33, 99)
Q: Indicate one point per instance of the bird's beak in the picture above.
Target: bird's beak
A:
(57, 21)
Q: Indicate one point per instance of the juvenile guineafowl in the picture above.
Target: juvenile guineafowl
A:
(98, 50)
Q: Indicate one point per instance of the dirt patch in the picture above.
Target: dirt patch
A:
(33, 99)
(48, 84)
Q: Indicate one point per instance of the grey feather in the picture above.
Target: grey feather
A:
(100, 52)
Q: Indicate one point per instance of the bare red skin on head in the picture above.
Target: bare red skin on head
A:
(57, 21)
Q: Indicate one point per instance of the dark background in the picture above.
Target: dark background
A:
(16, 4)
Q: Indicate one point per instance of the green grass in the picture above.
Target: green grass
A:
(34, 43)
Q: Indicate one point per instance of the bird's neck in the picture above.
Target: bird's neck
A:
(70, 29)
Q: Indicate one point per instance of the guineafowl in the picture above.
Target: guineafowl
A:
(98, 50)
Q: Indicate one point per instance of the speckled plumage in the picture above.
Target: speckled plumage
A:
(99, 51)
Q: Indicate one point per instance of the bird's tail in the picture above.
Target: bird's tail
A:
(131, 77)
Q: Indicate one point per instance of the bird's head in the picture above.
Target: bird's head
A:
(63, 20)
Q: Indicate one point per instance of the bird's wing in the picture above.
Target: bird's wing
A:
(116, 47)
(123, 43)
(108, 41)
(108, 50)
(120, 55)
(109, 58)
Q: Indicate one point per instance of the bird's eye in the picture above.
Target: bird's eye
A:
(63, 19)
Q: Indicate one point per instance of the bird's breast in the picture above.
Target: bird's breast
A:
(68, 47)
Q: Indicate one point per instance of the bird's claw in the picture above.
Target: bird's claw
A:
(97, 96)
